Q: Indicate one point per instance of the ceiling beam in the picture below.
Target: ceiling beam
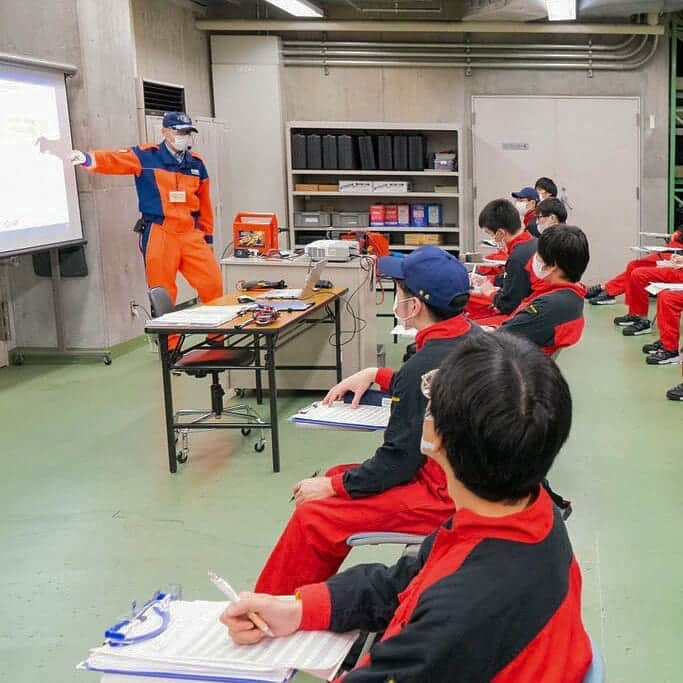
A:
(285, 26)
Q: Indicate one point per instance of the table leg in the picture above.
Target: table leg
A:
(337, 337)
(272, 395)
(259, 381)
(168, 401)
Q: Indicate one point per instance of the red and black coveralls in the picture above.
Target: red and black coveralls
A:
(398, 489)
(487, 599)
(619, 284)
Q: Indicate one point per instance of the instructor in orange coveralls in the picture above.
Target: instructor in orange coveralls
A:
(175, 203)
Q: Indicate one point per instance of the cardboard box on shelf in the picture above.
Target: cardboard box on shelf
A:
(450, 189)
(328, 188)
(391, 186)
(419, 239)
(306, 187)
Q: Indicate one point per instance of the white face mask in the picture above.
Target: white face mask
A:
(521, 207)
(542, 226)
(181, 142)
(540, 270)
(395, 310)
(426, 447)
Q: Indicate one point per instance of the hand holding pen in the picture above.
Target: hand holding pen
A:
(227, 590)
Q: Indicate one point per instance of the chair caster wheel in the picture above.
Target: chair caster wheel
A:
(260, 447)
(181, 457)
(106, 359)
(245, 431)
(240, 393)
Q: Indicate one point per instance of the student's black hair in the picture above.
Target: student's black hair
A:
(458, 304)
(503, 411)
(500, 213)
(548, 185)
(552, 206)
(565, 246)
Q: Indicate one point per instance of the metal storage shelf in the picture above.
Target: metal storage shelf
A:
(437, 136)
(377, 195)
(425, 173)
(403, 247)
(379, 228)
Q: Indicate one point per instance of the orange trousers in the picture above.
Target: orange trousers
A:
(166, 253)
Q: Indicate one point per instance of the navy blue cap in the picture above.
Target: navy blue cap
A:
(527, 193)
(432, 274)
(178, 120)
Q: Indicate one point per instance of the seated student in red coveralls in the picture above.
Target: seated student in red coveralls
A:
(500, 221)
(527, 201)
(494, 593)
(605, 295)
(397, 489)
(552, 316)
(635, 322)
(665, 351)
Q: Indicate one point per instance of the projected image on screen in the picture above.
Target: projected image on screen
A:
(38, 193)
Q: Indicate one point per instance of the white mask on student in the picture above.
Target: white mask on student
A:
(426, 447)
(395, 310)
(540, 270)
(181, 142)
(521, 208)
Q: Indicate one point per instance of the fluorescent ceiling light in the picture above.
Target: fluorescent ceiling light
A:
(298, 8)
(561, 10)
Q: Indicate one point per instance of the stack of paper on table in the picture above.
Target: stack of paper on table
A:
(196, 646)
(401, 331)
(200, 316)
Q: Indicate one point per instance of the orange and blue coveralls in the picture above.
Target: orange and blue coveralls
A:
(175, 203)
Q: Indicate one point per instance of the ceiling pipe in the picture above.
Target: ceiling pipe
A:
(587, 62)
(445, 46)
(416, 27)
(329, 50)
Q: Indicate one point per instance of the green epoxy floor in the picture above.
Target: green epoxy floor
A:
(91, 518)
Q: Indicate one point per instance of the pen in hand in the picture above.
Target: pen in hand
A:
(227, 590)
(315, 474)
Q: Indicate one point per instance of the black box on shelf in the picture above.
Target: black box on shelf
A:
(346, 158)
(416, 153)
(314, 152)
(384, 153)
(298, 150)
(330, 152)
(367, 153)
(400, 153)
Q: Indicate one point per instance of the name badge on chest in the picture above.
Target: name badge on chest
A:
(177, 197)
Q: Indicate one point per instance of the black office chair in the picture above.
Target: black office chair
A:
(199, 362)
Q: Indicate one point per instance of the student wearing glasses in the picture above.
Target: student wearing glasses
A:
(397, 489)
(495, 592)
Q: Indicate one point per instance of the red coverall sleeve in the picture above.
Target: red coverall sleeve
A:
(115, 162)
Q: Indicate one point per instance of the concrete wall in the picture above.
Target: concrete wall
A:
(171, 50)
(411, 95)
(111, 42)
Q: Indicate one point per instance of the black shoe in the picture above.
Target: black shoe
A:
(593, 291)
(625, 320)
(675, 393)
(602, 299)
(651, 348)
(663, 357)
(638, 327)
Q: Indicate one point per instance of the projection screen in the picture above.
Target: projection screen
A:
(38, 195)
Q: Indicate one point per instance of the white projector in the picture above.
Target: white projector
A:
(332, 250)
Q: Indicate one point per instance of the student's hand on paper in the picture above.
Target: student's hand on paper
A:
(315, 488)
(358, 383)
(677, 261)
(486, 288)
(283, 617)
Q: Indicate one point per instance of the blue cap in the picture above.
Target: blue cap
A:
(432, 274)
(527, 193)
(178, 120)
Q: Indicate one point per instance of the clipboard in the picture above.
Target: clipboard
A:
(372, 415)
